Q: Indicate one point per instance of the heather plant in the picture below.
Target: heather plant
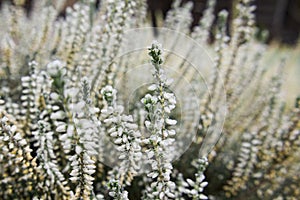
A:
(97, 105)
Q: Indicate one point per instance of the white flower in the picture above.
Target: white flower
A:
(171, 121)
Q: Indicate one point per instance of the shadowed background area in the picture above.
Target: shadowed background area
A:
(280, 17)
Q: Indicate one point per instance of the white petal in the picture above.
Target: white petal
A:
(171, 121)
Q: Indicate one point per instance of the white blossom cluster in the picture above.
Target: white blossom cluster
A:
(158, 107)
(179, 17)
(244, 23)
(202, 31)
(124, 133)
(17, 164)
(83, 162)
(118, 17)
(29, 88)
(48, 161)
(77, 122)
(199, 184)
(116, 190)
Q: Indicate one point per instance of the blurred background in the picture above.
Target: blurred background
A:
(280, 17)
